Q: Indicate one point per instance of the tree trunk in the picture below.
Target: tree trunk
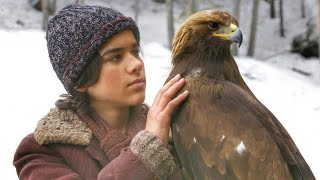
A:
(281, 19)
(160, 1)
(45, 14)
(236, 14)
(52, 6)
(318, 25)
(254, 23)
(136, 10)
(169, 4)
(35, 4)
(303, 13)
(272, 9)
(191, 7)
(81, 2)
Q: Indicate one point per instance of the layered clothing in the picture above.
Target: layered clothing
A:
(70, 144)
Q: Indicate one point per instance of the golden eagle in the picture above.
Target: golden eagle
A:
(222, 131)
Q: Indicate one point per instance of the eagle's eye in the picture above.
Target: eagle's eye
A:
(213, 25)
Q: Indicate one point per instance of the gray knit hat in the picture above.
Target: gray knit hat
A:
(76, 33)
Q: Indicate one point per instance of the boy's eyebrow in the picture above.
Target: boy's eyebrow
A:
(112, 50)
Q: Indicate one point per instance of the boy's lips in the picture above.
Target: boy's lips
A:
(137, 81)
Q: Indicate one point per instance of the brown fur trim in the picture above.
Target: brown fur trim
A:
(62, 126)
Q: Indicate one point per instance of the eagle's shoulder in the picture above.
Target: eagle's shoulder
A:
(215, 88)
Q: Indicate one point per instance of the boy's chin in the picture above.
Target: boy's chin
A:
(138, 100)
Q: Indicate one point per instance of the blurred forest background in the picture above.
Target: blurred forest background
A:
(271, 27)
(278, 59)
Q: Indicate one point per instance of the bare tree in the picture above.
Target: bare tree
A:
(303, 13)
(35, 4)
(48, 7)
(254, 23)
(160, 1)
(169, 4)
(273, 9)
(45, 13)
(79, 2)
(318, 25)
(136, 7)
(192, 7)
(281, 19)
(52, 7)
(236, 14)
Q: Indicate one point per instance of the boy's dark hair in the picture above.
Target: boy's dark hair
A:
(88, 77)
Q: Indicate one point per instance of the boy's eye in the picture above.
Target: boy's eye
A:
(114, 58)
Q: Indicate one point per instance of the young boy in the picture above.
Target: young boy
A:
(100, 129)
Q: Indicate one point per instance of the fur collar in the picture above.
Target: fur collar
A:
(62, 126)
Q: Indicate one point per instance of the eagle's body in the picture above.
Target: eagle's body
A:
(222, 131)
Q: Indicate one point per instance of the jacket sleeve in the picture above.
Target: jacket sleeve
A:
(146, 158)
(126, 166)
(33, 161)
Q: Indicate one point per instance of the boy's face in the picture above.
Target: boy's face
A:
(122, 79)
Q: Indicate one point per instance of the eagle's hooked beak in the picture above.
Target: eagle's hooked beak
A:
(234, 34)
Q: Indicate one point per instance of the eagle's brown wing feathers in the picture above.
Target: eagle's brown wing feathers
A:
(220, 134)
(222, 131)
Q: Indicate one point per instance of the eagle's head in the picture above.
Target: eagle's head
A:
(206, 31)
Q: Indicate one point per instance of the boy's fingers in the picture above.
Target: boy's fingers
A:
(165, 88)
(175, 102)
(170, 93)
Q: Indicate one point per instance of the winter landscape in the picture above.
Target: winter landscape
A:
(29, 86)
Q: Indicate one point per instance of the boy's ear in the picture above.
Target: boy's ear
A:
(81, 89)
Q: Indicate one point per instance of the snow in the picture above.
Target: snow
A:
(30, 86)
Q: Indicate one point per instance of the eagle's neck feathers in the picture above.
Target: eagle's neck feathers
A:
(212, 62)
(207, 61)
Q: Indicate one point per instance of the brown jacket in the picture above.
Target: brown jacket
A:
(68, 144)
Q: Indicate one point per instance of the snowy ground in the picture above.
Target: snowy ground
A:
(30, 87)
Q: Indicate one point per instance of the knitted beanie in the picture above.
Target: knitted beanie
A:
(76, 33)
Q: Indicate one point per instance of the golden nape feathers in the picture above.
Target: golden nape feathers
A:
(203, 25)
(222, 131)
